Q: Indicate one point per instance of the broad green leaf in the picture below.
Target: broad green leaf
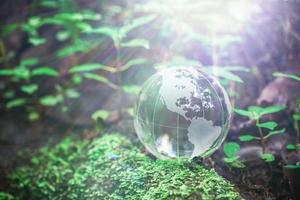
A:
(100, 78)
(47, 71)
(247, 138)
(7, 72)
(72, 93)
(269, 125)
(291, 76)
(291, 147)
(100, 114)
(276, 132)
(243, 112)
(272, 109)
(231, 149)
(15, 103)
(136, 43)
(86, 67)
(37, 41)
(50, 100)
(29, 62)
(256, 109)
(268, 157)
(134, 89)
(130, 63)
(296, 117)
(29, 89)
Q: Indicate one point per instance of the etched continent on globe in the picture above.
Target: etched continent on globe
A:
(182, 112)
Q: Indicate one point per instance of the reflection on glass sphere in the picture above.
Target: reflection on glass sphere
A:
(181, 112)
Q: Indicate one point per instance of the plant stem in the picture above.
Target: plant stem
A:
(262, 139)
(297, 131)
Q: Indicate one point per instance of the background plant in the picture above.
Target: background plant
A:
(256, 113)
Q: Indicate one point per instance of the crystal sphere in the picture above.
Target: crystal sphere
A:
(181, 112)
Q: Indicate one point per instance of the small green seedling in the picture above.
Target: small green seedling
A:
(231, 150)
(255, 113)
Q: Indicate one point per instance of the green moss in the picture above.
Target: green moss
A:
(110, 167)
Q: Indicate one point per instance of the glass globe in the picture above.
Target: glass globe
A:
(182, 112)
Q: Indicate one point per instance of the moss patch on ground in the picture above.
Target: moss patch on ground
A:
(110, 167)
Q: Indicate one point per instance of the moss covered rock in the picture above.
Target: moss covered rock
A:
(110, 167)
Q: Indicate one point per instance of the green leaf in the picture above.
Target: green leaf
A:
(50, 100)
(7, 72)
(296, 117)
(47, 71)
(272, 109)
(100, 78)
(130, 63)
(29, 89)
(29, 62)
(291, 147)
(72, 93)
(269, 125)
(247, 138)
(243, 112)
(108, 31)
(100, 114)
(134, 89)
(268, 157)
(136, 43)
(291, 76)
(231, 149)
(37, 41)
(16, 103)
(256, 109)
(86, 67)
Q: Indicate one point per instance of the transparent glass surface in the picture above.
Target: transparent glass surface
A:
(181, 112)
